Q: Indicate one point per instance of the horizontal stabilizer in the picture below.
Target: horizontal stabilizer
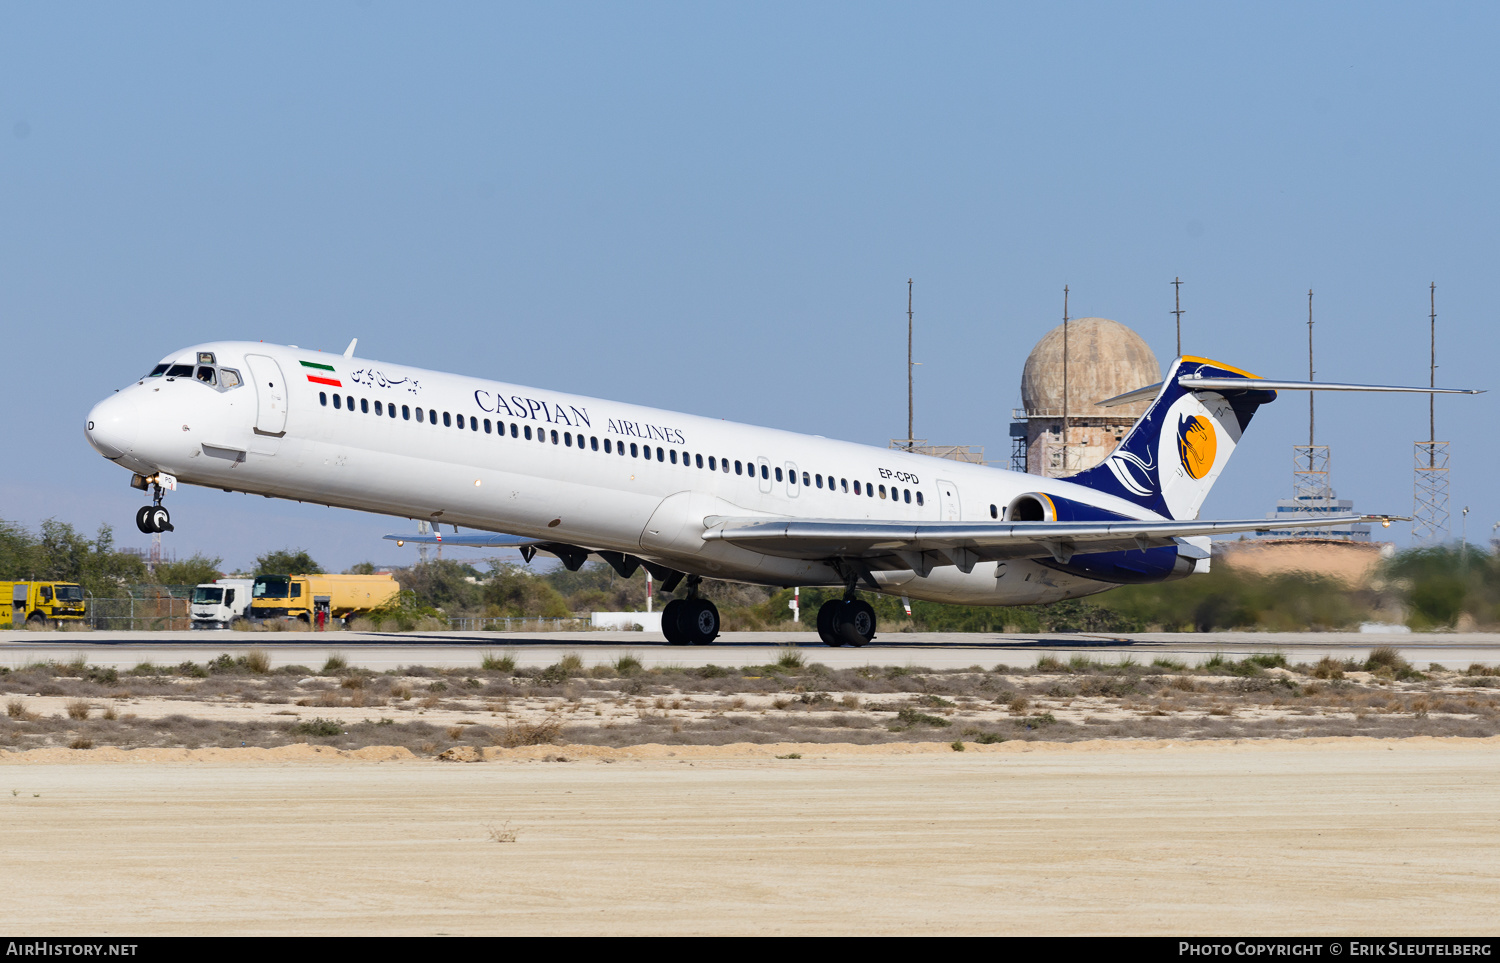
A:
(1192, 383)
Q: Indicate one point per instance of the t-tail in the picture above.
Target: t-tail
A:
(1174, 454)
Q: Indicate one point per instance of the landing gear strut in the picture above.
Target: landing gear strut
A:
(153, 518)
(846, 621)
(690, 621)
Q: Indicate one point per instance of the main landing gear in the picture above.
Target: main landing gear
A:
(846, 621)
(690, 621)
(153, 519)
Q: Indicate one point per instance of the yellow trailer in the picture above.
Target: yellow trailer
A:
(41, 603)
(305, 596)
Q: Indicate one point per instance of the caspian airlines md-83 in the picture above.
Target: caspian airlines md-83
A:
(686, 496)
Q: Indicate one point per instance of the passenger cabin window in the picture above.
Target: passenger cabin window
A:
(739, 468)
(594, 443)
(919, 498)
(632, 450)
(447, 420)
(856, 487)
(350, 400)
(882, 491)
(607, 447)
(338, 401)
(378, 409)
(554, 436)
(778, 472)
(994, 512)
(419, 414)
(766, 474)
(432, 416)
(364, 405)
(406, 412)
(486, 426)
(323, 398)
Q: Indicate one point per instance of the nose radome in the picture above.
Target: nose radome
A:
(112, 426)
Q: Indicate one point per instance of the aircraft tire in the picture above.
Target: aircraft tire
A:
(671, 622)
(143, 520)
(856, 624)
(698, 622)
(827, 616)
(160, 519)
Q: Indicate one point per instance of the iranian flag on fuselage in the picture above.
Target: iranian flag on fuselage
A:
(322, 379)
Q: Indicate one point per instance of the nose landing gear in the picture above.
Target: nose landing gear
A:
(153, 519)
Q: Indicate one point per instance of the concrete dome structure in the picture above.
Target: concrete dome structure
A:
(1105, 358)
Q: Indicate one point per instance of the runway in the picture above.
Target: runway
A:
(382, 651)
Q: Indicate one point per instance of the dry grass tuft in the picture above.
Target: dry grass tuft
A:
(78, 709)
(15, 708)
(1328, 668)
(258, 661)
(532, 734)
(81, 742)
(502, 833)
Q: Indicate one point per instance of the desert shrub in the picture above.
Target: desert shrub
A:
(498, 663)
(318, 727)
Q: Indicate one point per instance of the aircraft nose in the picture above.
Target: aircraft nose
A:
(112, 426)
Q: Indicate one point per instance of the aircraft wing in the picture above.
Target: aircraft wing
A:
(918, 546)
(471, 540)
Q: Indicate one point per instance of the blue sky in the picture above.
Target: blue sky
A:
(715, 208)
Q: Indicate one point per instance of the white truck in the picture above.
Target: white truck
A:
(218, 604)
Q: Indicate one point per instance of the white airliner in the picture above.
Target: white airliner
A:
(687, 496)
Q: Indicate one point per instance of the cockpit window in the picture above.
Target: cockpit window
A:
(206, 375)
(180, 371)
(158, 371)
(229, 378)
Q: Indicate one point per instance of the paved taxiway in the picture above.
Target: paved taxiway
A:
(381, 651)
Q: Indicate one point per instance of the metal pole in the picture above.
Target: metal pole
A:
(1177, 304)
(908, 367)
(1310, 419)
(1432, 376)
(1065, 381)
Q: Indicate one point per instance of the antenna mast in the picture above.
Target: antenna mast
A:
(1430, 512)
(909, 435)
(1177, 304)
(1065, 382)
(1310, 394)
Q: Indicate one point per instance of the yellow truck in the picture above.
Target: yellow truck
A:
(41, 603)
(306, 597)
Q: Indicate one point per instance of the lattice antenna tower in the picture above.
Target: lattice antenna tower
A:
(1311, 462)
(1430, 520)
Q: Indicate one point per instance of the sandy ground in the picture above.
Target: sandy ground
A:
(1339, 836)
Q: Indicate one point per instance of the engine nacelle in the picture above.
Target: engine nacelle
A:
(1133, 567)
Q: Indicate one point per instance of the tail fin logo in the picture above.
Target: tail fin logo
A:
(1132, 472)
(1196, 444)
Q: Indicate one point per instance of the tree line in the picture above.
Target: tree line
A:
(1428, 588)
